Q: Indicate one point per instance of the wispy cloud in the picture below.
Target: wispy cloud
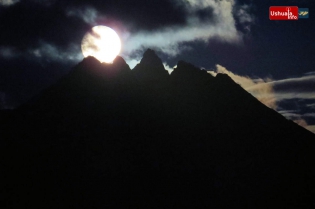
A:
(311, 115)
(46, 3)
(300, 88)
(245, 18)
(244, 15)
(259, 88)
(8, 52)
(169, 40)
(273, 92)
(132, 62)
(205, 20)
(310, 73)
(312, 106)
(46, 51)
(169, 68)
(88, 15)
(50, 52)
(311, 128)
(301, 119)
(8, 2)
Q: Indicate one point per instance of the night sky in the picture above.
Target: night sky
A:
(40, 41)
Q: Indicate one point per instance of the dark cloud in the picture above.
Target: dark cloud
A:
(23, 25)
(40, 39)
(280, 48)
(294, 98)
(305, 84)
(7, 3)
(205, 14)
(46, 3)
(61, 23)
(312, 106)
(299, 113)
(138, 15)
(37, 35)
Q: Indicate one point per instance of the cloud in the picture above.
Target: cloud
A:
(310, 73)
(311, 128)
(8, 2)
(8, 52)
(219, 24)
(244, 18)
(311, 115)
(46, 3)
(50, 52)
(273, 92)
(290, 114)
(159, 24)
(132, 62)
(87, 14)
(300, 88)
(286, 111)
(312, 106)
(30, 21)
(244, 15)
(168, 68)
(293, 114)
(47, 51)
(270, 92)
(300, 120)
(259, 88)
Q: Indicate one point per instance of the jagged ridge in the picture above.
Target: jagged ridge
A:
(108, 136)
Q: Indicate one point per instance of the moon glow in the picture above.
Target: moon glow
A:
(101, 42)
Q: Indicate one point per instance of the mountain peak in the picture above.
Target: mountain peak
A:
(182, 65)
(90, 67)
(119, 60)
(120, 65)
(149, 52)
(150, 66)
(199, 135)
(90, 61)
(224, 78)
(151, 59)
(188, 72)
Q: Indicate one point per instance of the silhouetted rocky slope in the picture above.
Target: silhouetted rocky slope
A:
(106, 136)
(154, 63)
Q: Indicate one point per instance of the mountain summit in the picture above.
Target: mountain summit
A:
(106, 136)
(150, 67)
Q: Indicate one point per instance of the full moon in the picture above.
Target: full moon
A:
(101, 42)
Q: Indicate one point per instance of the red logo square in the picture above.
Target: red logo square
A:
(283, 13)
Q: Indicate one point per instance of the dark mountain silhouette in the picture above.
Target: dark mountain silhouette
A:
(154, 63)
(106, 136)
